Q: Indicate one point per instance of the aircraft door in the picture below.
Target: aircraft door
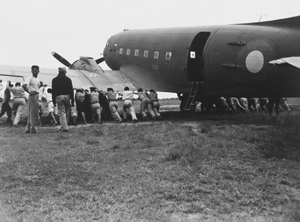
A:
(195, 60)
(221, 69)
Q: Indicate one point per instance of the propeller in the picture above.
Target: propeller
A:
(61, 59)
(98, 61)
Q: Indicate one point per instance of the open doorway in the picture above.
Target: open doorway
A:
(195, 62)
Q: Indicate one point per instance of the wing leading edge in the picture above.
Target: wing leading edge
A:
(80, 78)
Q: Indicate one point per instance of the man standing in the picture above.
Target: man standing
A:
(19, 101)
(62, 93)
(32, 86)
(5, 108)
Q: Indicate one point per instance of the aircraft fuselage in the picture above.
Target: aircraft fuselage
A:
(230, 60)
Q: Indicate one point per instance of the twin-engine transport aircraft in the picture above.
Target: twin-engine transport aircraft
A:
(250, 60)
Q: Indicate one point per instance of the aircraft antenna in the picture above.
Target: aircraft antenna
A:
(259, 18)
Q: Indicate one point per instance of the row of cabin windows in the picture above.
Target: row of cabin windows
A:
(168, 55)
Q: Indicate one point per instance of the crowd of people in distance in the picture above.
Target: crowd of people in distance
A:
(67, 105)
(233, 105)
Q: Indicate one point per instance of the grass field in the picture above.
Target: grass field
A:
(186, 168)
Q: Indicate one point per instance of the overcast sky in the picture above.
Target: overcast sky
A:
(32, 29)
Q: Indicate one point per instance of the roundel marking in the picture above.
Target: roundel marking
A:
(254, 61)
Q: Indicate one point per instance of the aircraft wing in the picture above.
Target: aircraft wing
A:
(101, 81)
(80, 78)
(294, 61)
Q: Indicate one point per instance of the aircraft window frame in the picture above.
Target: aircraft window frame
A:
(121, 51)
(146, 53)
(168, 55)
(156, 55)
(136, 52)
(128, 52)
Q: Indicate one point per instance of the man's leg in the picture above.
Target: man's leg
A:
(34, 119)
(142, 108)
(99, 114)
(132, 113)
(113, 106)
(28, 126)
(150, 109)
(2, 110)
(125, 107)
(62, 112)
(18, 115)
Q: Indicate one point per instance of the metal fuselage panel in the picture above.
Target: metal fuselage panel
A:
(237, 62)
(235, 59)
(166, 72)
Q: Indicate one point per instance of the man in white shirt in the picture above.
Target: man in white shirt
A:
(128, 105)
(32, 86)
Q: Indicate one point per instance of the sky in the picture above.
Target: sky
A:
(32, 29)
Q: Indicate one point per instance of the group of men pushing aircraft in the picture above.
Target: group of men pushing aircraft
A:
(80, 105)
(86, 106)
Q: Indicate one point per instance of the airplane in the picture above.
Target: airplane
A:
(260, 59)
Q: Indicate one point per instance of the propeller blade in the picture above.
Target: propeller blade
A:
(100, 60)
(61, 59)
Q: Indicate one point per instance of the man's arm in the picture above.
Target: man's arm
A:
(25, 85)
(71, 93)
(8, 85)
(53, 93)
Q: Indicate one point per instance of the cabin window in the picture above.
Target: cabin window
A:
(192, 54)
(128, 52)
(156, 54)
(146, 53)
(136, 52)
(121, 51)
(168, 55)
